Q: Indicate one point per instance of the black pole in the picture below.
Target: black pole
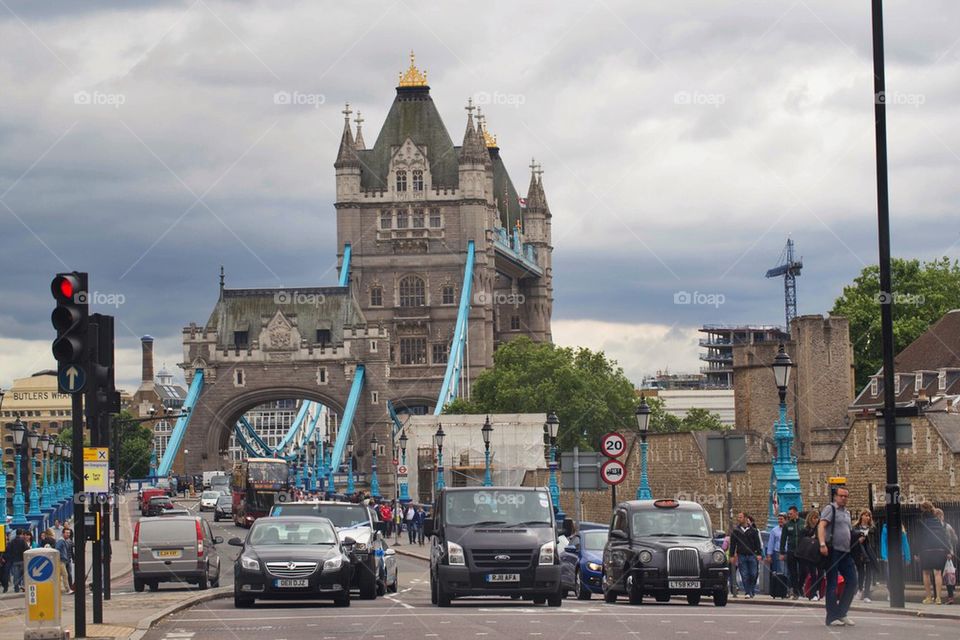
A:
(104, 506)
(894, 553)
(93, 422)
(116, 480)
(79, 524)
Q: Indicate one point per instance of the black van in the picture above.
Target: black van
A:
(493, 541)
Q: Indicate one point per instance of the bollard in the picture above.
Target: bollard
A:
(41, 585)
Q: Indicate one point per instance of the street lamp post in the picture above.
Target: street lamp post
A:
(643, 424)
(19, 516)
(33, 439)
(328, 464)
(438, 443)
(314, 466)
(45, 490)
(404, 487)
(3, 480)
(350, 487)
(486, 431)
(784, 477)
(553, 425)
(374, 481)
(68, 474)
(58, 479)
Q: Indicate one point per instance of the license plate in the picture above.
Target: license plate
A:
(286, 583)
(503, 577)
(168, 553)
(684, 584)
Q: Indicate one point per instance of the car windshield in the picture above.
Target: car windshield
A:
(594, 540)
(210, 495)
(267, 532)
(343, 515)
(670, 523)
(224, 500)
(497, 508)
(267, 472)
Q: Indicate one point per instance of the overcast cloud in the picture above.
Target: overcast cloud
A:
(681, 142)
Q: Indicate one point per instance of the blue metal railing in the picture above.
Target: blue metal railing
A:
(451, 380)
(345, 268)
(180, 428)
(347, 423)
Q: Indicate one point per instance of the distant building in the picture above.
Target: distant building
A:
(678, 402)
(665, 380)
(719, 342)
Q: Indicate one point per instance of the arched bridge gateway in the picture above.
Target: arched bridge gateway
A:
(440, 261)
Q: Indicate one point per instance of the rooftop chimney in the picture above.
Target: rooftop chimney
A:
(146, 345)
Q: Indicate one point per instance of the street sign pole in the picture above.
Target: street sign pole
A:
(79, 524)
(93, 422)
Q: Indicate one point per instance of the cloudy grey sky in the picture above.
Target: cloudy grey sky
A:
(681, 142)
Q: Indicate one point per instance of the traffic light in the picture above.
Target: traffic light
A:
(70, 317)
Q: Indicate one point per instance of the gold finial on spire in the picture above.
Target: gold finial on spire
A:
(413, 76)
(488, 139)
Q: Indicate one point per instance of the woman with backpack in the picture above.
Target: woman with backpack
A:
(863, 555)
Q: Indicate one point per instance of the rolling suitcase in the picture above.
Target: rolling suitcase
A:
(779, 585)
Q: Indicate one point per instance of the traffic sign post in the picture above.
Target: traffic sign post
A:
(41, 573)
(613, 472)
(71, 378)
(613, 445)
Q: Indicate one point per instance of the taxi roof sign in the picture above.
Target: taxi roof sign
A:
(666, 503)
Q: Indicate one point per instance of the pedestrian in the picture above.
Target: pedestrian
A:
(57, 529)
(732, 573)
(65, 547)
(812, 574)
(419, 519)
(48, 539)
(14, 555)
(904, 549)
(863, 555)
(386, 515)
(772, 550)
(397, 520)
(834, 533)
(950, 567)
(411, 528)
(747, 548)
(789, 539)
(933, 549)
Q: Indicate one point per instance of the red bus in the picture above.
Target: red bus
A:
(256, 485)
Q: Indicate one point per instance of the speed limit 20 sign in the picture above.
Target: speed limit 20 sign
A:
(613, 445)
(613, 472)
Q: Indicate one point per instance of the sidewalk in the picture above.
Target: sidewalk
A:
(915, 609)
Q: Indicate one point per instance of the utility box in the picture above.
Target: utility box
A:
(41, 585)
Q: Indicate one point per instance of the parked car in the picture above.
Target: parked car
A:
(157, 504)
(175, 549)
(293, 558)
(208, 500)
(663, 548)
(224, 508)
(581, 563)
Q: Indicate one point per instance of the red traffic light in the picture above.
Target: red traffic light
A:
(64, 287)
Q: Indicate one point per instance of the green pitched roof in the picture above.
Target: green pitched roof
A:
(501, 180)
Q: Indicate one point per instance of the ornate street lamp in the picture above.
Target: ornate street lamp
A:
(404, 488)
(784, 476)
(3, 479)
(328, 465)
(45, 490)
(57, 465)
(486, 431)
(438, 443)
(314, 464)
(33, 440)
(350, 488)
(553, 426)
(643, 424)
(374, 481)
(19, 516)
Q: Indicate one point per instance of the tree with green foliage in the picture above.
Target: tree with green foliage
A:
(136, 443)
(589, 392)
(696, 419)
(922, 293)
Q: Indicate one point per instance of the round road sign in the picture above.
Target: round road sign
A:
(613, 445)
(613, 472)
(40, 568)
(402, 469)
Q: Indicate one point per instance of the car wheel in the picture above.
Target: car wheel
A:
(720, 598)
(242, 603)
(216, 518)
(579, 588)
(443, 598)
(368, 584)
(215, 583)
(555, 600)
(433, 590)
(662, 597)
(138, 585)
(693, 599)
(609, 596)
(395, 587)
(634, 592)
(202, 582)
(154, 585)
(343, 600)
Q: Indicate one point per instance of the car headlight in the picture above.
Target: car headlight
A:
(719, 557)
(249, 562)
(646, 557)
(333, 563)
(593, 566)
(455, 554)
(548, 552)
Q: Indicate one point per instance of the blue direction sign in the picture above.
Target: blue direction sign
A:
(71, 378)
(40, 568)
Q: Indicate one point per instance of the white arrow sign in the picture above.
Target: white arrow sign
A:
(38, 570)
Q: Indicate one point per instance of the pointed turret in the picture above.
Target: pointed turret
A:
(472, 151)
(358, 143)
(534, 191)
(347, 156)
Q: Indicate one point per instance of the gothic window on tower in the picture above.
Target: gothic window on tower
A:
(413, 351)
(412, 292)
(401, 180)
(440, 353)
(386, 220)
(402, 219)
(241, 339)
(435, 221)
(418, 180)
(515, 323)
(323, 337)
(449, 296)
(418, 218)
(376, 296)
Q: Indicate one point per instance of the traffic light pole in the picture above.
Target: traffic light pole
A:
(93, 422)
(79, 522)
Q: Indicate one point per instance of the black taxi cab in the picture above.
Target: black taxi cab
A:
(663, 548)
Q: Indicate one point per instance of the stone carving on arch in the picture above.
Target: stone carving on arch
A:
(279, 334)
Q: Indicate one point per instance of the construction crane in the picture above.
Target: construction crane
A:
(789, 268)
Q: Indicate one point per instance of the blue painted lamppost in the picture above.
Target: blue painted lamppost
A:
(553, 425)
(312, 461)
(68, 486)
(3, 481)
(19, 516)
(45, 490)
(153, 463)
(487, 431)
(643, 424)
(350, 487)
(33, 440)
(58, 477)
(438, 443)
(404, 487)
(784, 475)
(374, 481)
(328, 464)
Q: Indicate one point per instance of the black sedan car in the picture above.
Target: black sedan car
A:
(663, 548)
(224, 508)
(292, 558)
